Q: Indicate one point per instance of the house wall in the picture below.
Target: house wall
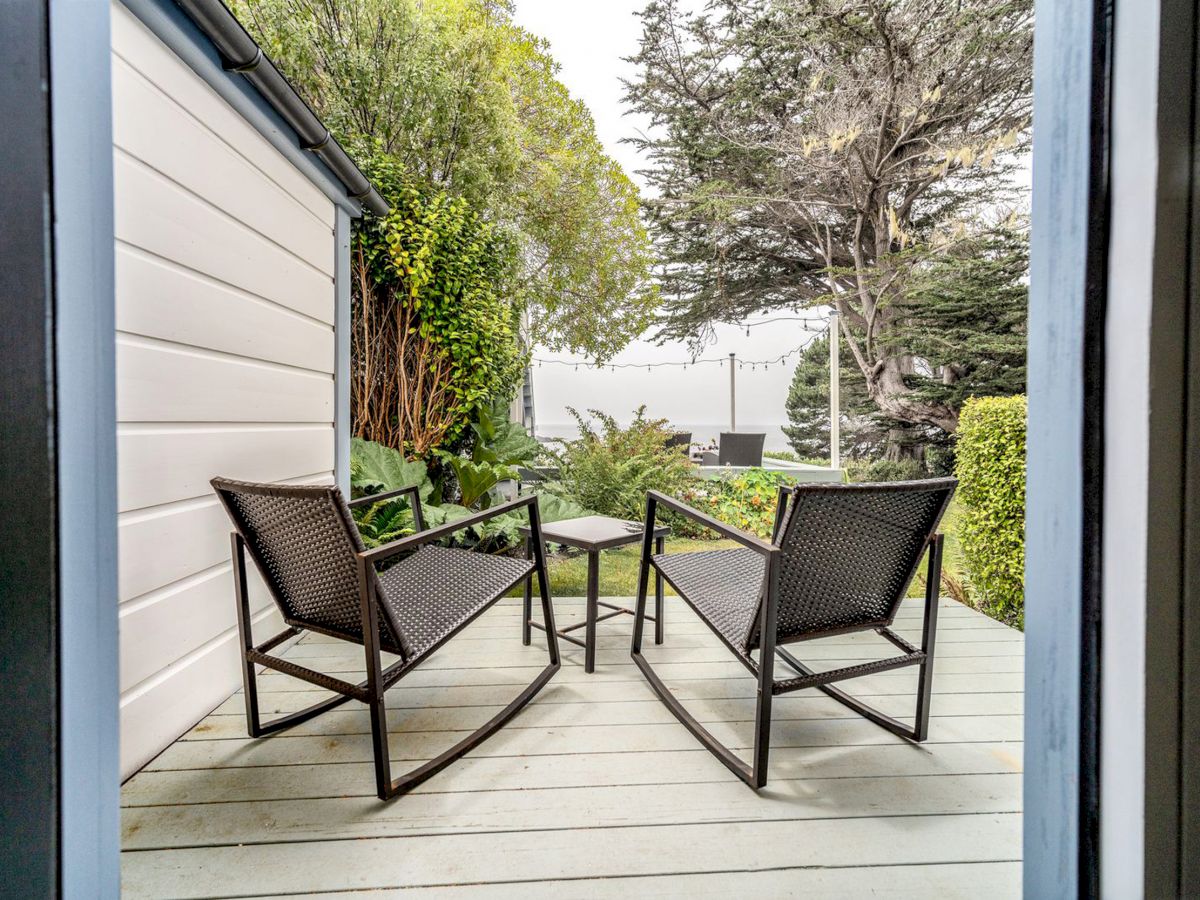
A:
(225, 313)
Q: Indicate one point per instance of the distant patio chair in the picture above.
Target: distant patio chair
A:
(323, 579)
(841, 561)
(529, 476)
(680, 439)
(740, 449)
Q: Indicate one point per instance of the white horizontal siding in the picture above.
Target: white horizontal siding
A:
(154, 129)
(208, 387)
(167, 543)
(225, 357)
(135, 46)
(161, 708)
(162, 464)
(159, 216)
(164, 544)
(162, 299)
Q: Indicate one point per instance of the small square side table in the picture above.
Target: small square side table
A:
(593, 534)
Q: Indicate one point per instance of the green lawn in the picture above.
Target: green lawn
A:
(619, 568)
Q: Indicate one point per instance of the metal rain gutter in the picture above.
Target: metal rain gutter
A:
(240, 54)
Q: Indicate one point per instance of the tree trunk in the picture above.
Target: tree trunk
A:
(895, 399)
(902, 444)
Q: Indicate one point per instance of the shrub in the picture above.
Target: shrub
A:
(434, 332)
(792, 456)
(991, 473)
(885, 470)
(375, 469)
(609, 468)
(498, 446)
(746, 500)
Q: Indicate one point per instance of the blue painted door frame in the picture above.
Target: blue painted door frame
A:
(58, 644)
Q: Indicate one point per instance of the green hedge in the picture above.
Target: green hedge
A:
(991, 474)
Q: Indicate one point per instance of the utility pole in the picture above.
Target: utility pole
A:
(835, 391)
(732, 392)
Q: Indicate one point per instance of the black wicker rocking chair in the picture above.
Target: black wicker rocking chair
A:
(305, 543)
(841, 561)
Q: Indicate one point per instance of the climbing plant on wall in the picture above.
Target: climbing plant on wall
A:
(434, 334)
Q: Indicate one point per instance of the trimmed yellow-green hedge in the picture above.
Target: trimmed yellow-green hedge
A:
(991, 475)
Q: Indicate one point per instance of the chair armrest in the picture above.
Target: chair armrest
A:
(372, 499)
(430, 535)
(750, 541)
(386, 495)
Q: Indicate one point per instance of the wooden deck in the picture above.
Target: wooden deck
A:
(595, 790)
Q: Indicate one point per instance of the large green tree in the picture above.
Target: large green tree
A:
(470, 104)
(807, 406)
(962, 318)
(824, 152)
(961, 327)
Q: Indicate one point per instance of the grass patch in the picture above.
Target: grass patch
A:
(952, 558)
(618, 567)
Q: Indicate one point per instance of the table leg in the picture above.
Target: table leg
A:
(593, 597)
(659, 547)
(527, 606)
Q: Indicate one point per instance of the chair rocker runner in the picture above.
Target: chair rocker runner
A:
(323, 579)
(841, 560)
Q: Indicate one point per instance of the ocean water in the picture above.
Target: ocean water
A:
(701, 433)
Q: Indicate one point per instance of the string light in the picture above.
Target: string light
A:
(649, 367)
(821, 321)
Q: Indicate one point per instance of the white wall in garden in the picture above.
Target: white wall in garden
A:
(225, 358)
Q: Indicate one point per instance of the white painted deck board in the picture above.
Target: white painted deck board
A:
(594, 790)
(972, 881)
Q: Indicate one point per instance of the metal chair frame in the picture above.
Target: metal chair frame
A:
(379, 679)
(754, 773)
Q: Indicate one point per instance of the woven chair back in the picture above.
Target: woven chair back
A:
(303, 541)
(850, 552)
(680, 439)
(738, 449)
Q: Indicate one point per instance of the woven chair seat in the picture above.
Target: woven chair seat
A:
(435, 590)
(724, 587)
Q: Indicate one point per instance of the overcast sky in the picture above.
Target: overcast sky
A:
(589, 39)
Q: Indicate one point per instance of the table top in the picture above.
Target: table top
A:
(595, 532)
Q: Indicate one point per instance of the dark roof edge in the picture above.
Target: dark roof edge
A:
(240, 54)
